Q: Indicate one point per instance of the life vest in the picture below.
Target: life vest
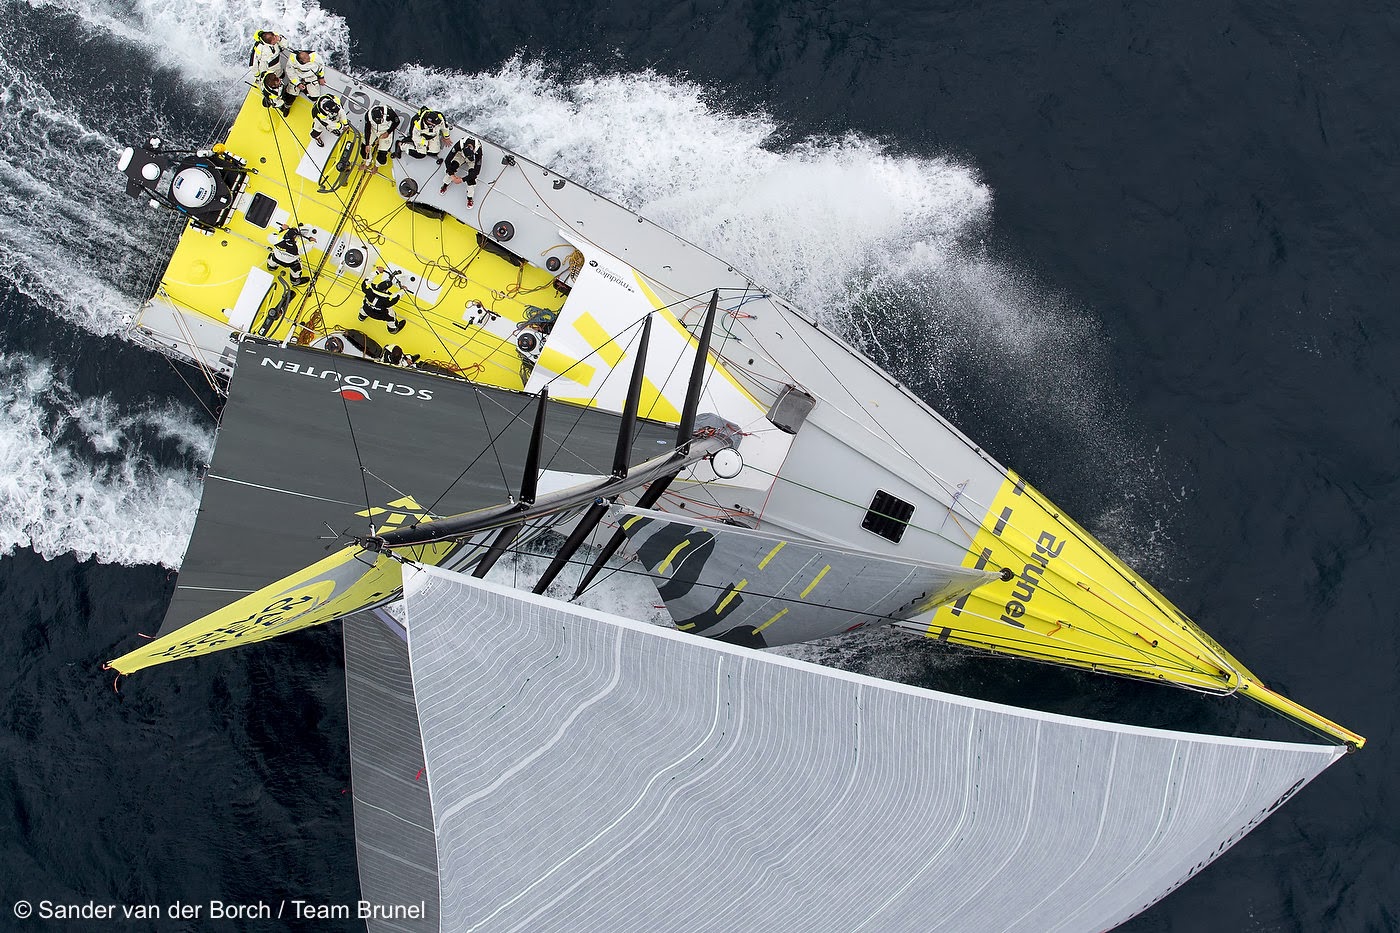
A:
(327, 114)
(465, 154)
(298, 73)
(426, 131)
(272, 96)
(375, 128)
(266, 57)
(327, 108)
(287, 250)
(381, 294)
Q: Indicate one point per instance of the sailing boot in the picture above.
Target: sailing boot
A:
(398, 325)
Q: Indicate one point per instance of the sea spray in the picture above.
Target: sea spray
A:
(76, 476)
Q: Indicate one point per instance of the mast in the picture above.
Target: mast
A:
(684, 438)
(656, 474)
(621, 457)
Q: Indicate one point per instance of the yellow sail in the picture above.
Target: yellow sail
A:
(349, 580)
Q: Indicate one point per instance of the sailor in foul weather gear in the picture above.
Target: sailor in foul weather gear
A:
(427, 133)
(304, 75)
(286, 252)
(462, 164)
(269, 54)
(394, 356)
(326, 116)
(381, 123)
(380, 297)
(275, 93)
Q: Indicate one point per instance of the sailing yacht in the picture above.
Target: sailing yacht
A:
(556, 364)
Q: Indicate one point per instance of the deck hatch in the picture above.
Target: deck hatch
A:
(260, 210)
(791, 408)
(888, 516)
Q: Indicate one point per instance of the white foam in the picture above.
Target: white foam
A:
(207, 43)
(60, 246)
(810, 219)
(59, 499)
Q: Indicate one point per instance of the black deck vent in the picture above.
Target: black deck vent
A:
(888, 516)
(259, 212)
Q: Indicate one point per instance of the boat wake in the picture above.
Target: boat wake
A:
(81, 476)
(883, 246)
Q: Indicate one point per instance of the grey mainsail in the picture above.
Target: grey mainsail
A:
(590, 772)
(307, 436)
(763, 590)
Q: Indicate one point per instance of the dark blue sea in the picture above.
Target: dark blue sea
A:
(1148, 254)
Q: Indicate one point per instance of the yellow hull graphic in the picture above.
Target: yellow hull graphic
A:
(443, 266)
(1067, 599)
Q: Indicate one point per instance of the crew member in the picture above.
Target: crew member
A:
(304, 75)
(380, 297)
(326, 116)
(269, 54)
(394, 356)
(462, 164)
(381, 123)
(286, 252)
(275, 93)
(427, 133)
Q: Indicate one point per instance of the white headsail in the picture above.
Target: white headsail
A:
(591, 772)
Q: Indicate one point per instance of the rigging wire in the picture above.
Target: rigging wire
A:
(354, 443)
(193, 394)
(952, 506)
(1048, 581)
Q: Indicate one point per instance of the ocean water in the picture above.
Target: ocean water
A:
(1146, 255)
